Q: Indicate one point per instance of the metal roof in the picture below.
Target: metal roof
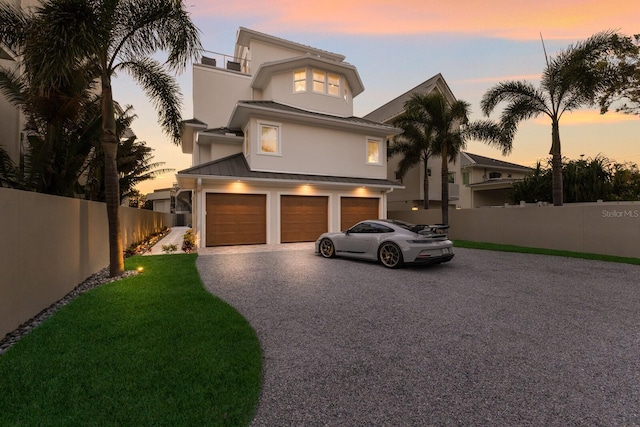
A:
(236, 166)
(482, 161)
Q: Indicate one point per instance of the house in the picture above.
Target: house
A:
(474, 181)
(172, 200)
(487, 181)
(277, 155)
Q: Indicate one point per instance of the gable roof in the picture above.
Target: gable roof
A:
(242, 110)
(236, 167)
(475, 160)
(395, 107)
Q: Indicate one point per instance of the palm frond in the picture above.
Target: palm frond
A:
(163, 91)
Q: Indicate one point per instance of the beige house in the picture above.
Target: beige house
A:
(487, 181)
(277, 154)
(474, 181)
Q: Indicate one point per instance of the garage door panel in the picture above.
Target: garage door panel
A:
(236, 219)
(356, 209)
(303, 218)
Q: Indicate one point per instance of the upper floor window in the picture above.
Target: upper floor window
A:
(319, 81)
(333, 84)
(452, 177)
(269, 138)
(345, 91)
(300, 81)
(465, 178)
(373, 151)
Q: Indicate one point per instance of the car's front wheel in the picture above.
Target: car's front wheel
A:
(327, 249)
(390, 255)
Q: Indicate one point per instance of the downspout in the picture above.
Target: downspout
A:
(200, 213)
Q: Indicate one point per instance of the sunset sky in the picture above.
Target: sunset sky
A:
(396, 45)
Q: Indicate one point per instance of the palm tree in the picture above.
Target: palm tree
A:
(572, 79)
(110, 36)
(416, 143)
(434, 126)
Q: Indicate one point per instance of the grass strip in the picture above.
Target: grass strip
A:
(527, 250)
(151, 349)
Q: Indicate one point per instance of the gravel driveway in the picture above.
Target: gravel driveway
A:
(490, 338)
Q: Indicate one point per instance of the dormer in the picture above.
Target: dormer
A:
(309, 82)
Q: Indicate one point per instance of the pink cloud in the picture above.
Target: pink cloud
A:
(513, 19)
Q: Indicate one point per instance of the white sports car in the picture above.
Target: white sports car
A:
(389, 241)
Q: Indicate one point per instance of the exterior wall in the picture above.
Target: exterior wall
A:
(213, 151)
(273, 202)
(261, 52)
(413, 182)
(215, 93)
(53, 244)
(599, 228)
(310, 150)
(280, 89)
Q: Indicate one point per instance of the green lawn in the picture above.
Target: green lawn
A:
(523, 249)
(152, 349)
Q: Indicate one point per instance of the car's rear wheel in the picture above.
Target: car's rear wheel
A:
(390, 255)
(327, 249)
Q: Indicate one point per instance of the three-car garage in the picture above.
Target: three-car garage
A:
(241, 219)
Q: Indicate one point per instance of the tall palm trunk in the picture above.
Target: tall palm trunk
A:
(556, 164)
(425, 184)
(110, 148)
(445, 185)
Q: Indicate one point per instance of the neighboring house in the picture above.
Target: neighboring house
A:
(412, 197)
(172, 200)
(474, 181)
(277, 154)
(487, 181)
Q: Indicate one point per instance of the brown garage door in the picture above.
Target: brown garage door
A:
(303, 218)
(236, 219)
(356, 209)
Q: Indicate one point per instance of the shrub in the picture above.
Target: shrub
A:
(189, 241)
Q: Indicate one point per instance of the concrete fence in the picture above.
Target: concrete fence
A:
(599, 228)
(51, 244)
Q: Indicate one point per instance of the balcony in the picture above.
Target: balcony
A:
(229, 62)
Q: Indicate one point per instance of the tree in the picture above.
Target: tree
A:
(60, 123)
(586, 180)
(133, 160)
(109, 36)
(434, 126)
(623, 88)
(573, 79)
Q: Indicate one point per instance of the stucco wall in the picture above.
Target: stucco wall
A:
(306, 149)
(601, 228)
(51, 244)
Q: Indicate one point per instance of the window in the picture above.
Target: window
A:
(373, 152)
(269, 139)
(246, 141)
(300, 81)
(345, 91)
(452, 178)
(399, 176)
(333, 87)
(319, 80)
(428, 171)
(465, 178)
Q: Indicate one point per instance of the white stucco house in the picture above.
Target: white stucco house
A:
(277, 155)
(474, 181)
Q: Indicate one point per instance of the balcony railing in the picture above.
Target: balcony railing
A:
(228, 62)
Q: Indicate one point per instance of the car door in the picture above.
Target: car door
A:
(357, 239)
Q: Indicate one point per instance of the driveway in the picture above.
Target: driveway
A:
(490, 338)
